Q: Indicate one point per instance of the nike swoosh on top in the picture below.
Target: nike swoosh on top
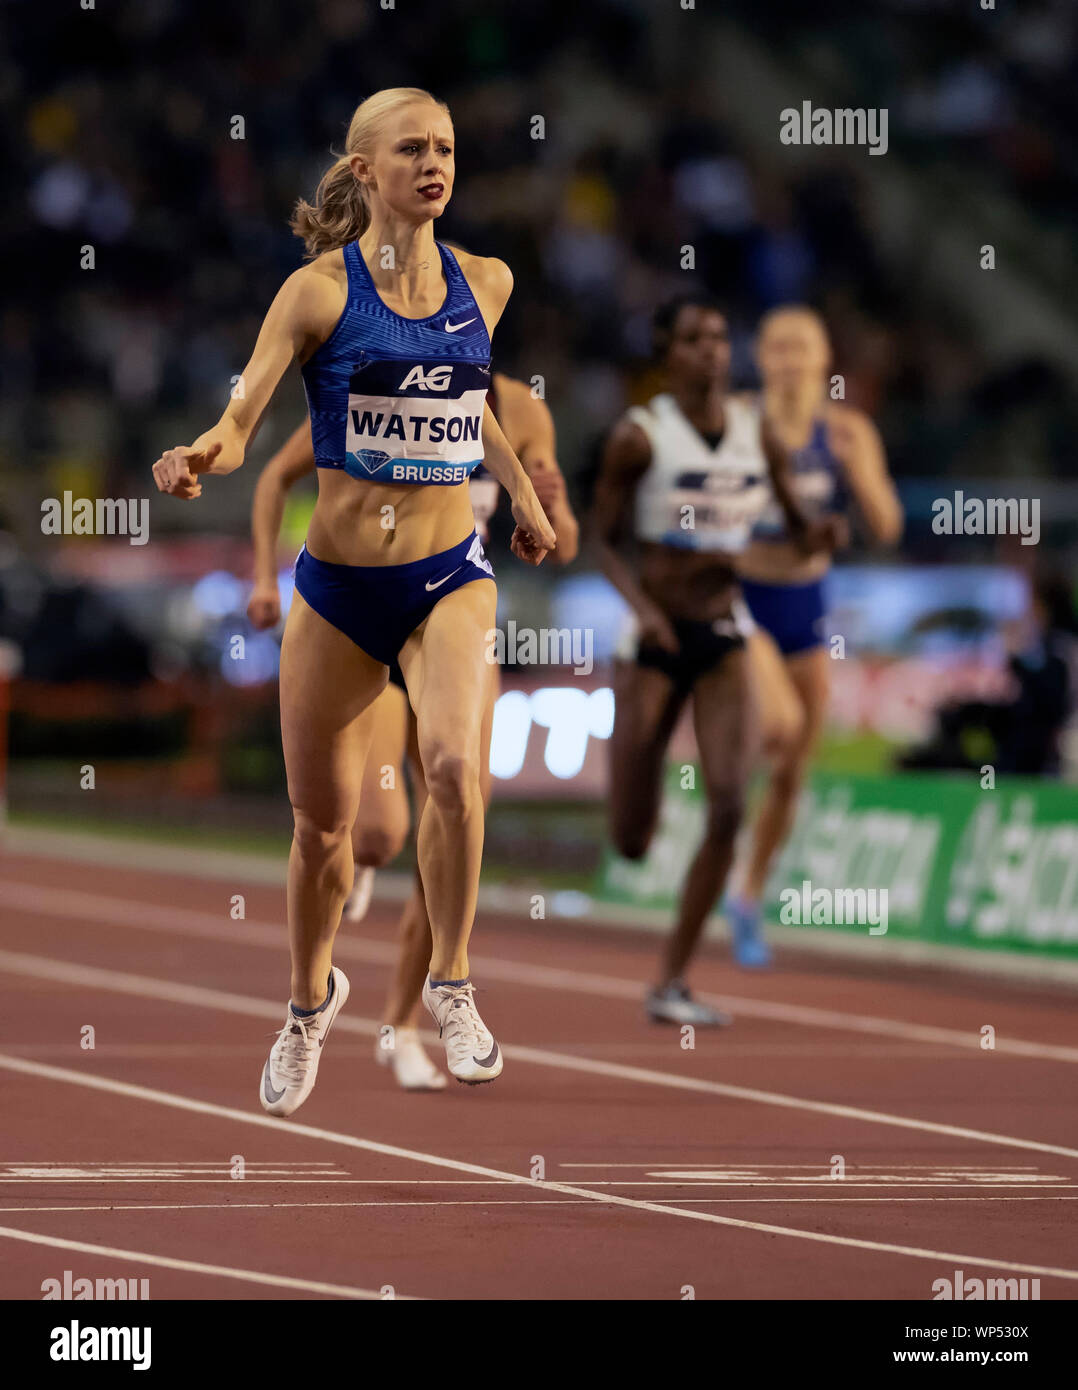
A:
(440, 582)
(455, 327)
(272, 1096)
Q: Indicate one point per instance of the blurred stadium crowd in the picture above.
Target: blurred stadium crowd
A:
(123, 141)
(659, 130)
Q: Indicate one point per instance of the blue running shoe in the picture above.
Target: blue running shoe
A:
(750, 949)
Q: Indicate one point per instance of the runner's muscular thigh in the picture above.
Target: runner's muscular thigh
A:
(647, 705)
(727, 723)
(386, 722)
(810, 675)
(447, 672)
(782, 716)
(326, 684)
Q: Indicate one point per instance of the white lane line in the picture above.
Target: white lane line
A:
(120, 982)
(273, 1166)
(672, 1181)
(245, 1276)
(122, 1175)
(156, 917)
(226, 1112)
(819, 1167)
(508, 1202)
(547, 977)
(145, 986)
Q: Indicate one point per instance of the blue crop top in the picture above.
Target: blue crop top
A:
(395, 400)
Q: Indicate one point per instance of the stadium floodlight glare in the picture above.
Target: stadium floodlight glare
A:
(570, 715)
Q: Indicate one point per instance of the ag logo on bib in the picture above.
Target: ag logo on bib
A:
(436, 379)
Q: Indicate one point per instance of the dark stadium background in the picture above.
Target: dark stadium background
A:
(661, 130)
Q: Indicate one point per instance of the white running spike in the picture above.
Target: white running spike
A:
(471, 1052)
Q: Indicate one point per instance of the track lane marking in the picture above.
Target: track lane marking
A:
(199, 996)
(479, 1182)
(152, 917)
(507, 1202)
(247, 1276)
(224, 1112)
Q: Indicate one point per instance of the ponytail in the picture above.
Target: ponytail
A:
(340, 212)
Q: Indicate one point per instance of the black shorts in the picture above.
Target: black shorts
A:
(396, 675)
(700, 649)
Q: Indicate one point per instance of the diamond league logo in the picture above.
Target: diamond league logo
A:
(371, 459)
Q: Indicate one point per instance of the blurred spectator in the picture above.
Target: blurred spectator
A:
(123, 139)
(1019, 736)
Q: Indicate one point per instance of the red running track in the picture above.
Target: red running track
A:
(663, 1168)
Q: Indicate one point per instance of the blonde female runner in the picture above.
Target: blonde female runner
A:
(392, 333)
(836, 455)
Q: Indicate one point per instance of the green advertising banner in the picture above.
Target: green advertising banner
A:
(961, 865)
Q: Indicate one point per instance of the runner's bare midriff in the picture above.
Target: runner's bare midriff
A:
(350, 525)
(781, 562)
(687, 584)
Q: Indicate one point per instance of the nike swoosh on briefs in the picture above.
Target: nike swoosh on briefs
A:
(272, 1096)
(440, 582)
(455, 327)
